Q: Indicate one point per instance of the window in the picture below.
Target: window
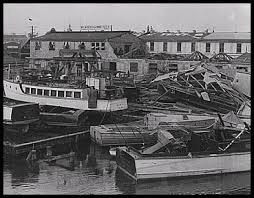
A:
(77, 95)
(112, 66)
(192, 47)
(66, 45)
(53, 92)
(68, 93)
(33, 91)
(133, 67)
(60, 93)
(39, 91)
(207, 47)
(221, 47)
(51, 45)
(179, 46)
(151, 46)
(79, 70)
(238, 48)
(93, 46)
(165, 47)
(102, 46)
(97, 46)
(27, 90)
(37, 45)
(82, 46)
(46, 92)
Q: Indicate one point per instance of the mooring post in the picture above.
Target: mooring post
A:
(33, 155)
(71, 161)
(49, 151)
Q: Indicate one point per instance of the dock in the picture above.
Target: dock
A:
(16, 149)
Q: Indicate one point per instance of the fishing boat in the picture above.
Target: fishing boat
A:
(202, 87)
(94, 95)
(201, 152)
(20, 116)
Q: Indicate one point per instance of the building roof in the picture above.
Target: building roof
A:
(244, 59)
(229, 36)
(167, 36)
(7, 59)
(221, 57)
(80, 36)
(196, 56)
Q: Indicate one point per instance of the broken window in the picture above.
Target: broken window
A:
(51, 45)
(93, 46)
(82, 46)
(66, 45)
(37, 45)
(97, 46)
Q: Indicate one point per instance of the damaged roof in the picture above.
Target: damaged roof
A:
(196, 56)
(221, 57)
(167, 36)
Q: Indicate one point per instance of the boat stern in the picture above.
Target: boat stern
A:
(126, 162)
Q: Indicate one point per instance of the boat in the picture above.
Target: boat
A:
(203, 87)
(199, 152)
(154, 120)
(20, 116)
(93, 96)
(122, 134)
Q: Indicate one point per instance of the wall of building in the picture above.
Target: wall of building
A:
(171, 47)
(229, 48)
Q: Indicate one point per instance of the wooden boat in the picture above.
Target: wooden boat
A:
(200, 152)
(93, 96)
(20, 116)
(154, 120)
(199, 86)
(120, 134)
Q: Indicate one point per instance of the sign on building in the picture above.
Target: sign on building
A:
(96, 27)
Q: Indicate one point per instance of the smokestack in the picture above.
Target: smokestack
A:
(194, 31)
(178, 31)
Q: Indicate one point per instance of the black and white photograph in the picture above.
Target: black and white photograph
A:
(126, 98)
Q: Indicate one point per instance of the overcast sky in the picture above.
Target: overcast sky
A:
(136, 17)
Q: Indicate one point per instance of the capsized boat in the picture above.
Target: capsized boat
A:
(94, 95)
(197, 152)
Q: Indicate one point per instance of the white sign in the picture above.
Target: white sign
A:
(96, 27)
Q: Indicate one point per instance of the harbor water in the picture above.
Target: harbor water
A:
(95, 172)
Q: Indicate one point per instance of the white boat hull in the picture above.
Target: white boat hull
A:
(164, 167)
(13, 91)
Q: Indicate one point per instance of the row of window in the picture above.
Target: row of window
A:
(97, 46)
(208, 47)
(54, 93)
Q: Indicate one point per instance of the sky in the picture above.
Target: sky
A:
(185, 17)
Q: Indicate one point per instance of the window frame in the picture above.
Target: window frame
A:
(77, 92)
(53, 91)
(152, 46)
(46, 91)
(193, 47)
(53, 46)
(221, 47)
(238, 46)
(208, 46)
(60, 95)
(177, 47)
(165, 46)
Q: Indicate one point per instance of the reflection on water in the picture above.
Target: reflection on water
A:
(95, 172)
